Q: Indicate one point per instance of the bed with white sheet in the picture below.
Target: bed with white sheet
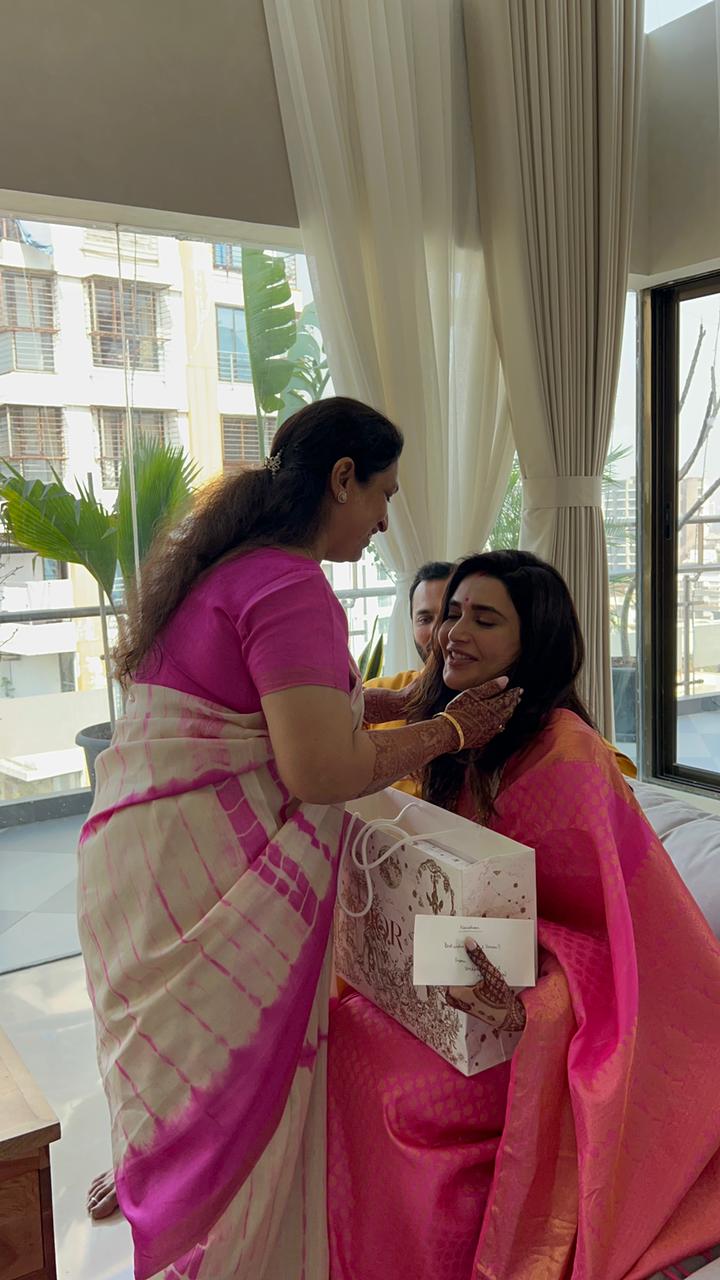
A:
(692, 838)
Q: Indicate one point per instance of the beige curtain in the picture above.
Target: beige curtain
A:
(554, 87)
(375, 109)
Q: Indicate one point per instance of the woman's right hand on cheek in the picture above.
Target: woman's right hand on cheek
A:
(484, 712)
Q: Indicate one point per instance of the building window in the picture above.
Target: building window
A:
(27, 322)
(9, 229)
(290, 261)
(227, 257)
(53, 570)
(141, 313)
(66, 665)
(240, 442)
(156, 424)
(686, 527)
(32, 440)
(233, 355)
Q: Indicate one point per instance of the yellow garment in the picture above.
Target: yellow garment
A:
(404, 678)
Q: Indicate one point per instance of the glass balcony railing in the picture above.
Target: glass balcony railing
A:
(53, 684)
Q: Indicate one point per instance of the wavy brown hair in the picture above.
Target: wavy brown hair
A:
(551, 658)
(255, 508)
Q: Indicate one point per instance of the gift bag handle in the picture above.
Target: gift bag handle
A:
(359, 852)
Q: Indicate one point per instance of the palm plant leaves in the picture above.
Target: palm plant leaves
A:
(271, 326)
(163, 478)
(51, 521)
(54, 523)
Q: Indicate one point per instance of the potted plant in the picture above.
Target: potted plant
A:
(59, 524)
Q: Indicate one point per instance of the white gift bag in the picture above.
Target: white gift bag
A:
(405, 858)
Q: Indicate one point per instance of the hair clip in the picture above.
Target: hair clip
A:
(274, 463)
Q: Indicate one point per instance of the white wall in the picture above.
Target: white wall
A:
(30, 677)
(171, 105)
(677, 222)
(48, 722)
(160, 104)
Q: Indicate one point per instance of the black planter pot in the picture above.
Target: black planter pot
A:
(93, 740)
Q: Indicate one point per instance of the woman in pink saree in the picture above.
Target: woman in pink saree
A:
(595, 1153)
(208, 863)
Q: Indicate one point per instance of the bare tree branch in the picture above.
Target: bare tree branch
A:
(697, 505)
(691, 371)
(707, 426)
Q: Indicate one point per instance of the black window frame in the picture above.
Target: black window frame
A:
(665, 303)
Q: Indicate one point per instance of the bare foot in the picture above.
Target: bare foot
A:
(102, 1199)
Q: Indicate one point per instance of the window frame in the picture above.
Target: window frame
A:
(227, 250)
(45, 429)
(98, 336)
(663, 595)
(110, 461)
(10, 230)
(245, 421)
(201, 229)
(9, 323)
(235, 355)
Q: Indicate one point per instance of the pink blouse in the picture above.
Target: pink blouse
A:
(253, 625)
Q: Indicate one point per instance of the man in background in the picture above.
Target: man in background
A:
(426, 596)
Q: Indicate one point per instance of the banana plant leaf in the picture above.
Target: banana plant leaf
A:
(58, 525)
(370, 662)
(310, 374)
(271, 326)
(376, 660)
(164, 478)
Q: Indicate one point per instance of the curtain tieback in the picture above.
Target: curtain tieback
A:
(540, 492)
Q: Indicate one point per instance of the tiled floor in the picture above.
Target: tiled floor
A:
(46, 1014)
(37, 893)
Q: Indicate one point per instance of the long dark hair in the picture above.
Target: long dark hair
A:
(262, 506)
(551, 658)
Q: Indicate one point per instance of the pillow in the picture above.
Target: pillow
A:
(692, 838)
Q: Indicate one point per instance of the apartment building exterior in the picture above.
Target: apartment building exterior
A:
(76, 347)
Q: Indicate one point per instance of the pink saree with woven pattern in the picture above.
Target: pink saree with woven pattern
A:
(595, 1153)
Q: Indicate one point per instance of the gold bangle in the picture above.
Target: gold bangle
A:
(456, 725)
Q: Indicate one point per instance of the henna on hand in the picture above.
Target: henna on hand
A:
(482, 713)
(491, 999)
(402, 752)
(382, 705)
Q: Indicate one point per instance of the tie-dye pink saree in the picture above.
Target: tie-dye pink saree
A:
(205, 901)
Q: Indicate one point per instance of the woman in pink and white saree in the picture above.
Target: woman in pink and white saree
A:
(206, 905)
(208, 862)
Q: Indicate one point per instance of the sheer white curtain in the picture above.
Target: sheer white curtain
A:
(375, 110)
(554, 87)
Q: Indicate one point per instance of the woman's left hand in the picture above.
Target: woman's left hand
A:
(491, 999)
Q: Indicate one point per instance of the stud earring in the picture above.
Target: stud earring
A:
(342, 496)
